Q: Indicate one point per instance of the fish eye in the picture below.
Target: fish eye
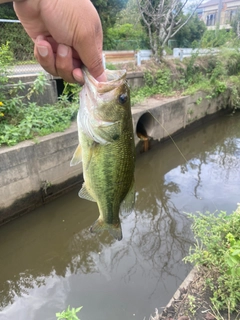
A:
(123, 98)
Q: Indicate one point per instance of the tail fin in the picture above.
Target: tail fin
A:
(114, 230)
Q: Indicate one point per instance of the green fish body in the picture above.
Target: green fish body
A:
(106, 149)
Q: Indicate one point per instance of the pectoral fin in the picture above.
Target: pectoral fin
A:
(77, 156)
(129, 201)
(83, 193)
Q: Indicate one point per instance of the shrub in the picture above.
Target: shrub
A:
(217, 248)
(21, 119)
(20, 45)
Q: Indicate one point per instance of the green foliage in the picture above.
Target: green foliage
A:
(7, 12)
(126, 37)
(71, 92)
(129, 14)
(127, 33)
(216, 38)
(235, 21)
(218, 72)
(231, 61)
(191, 32)
(215, 75)
(11, 33)
(5, 61)
(217, 248)
(21, 119)
(232, 255)
(108, 10)
(234, 86)
(69, 314)
(192, 70)
(155, 83)
(111, 66)
(163, 81)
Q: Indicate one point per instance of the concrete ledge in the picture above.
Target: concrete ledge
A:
(33, 173)
(49, 95)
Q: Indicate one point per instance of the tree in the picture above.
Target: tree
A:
(128, 33)
(108, 10)
(190, 32)
(235, 23)
(163, 19)
(7, 12)
(129, 14)
(126, 37)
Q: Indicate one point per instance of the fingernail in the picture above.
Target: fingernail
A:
(62, 50)
(43, 51)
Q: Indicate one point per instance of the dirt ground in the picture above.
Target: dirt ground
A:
(192, 302)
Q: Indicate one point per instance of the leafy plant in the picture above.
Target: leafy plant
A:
(111, 66)
(20, 50)
(126, 36)
(34, 120)
(69, 314)
(192, 304)
(217, 72)
(215, 38)
(21, 119)
(163, 81)
(232, 255)
(217, 248)
(199, 100)
(71, 92)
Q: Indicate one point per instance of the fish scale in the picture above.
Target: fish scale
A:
(107, 149)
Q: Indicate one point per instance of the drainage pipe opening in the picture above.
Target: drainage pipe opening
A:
(145, 126)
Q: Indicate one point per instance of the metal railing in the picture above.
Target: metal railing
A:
(182, 53)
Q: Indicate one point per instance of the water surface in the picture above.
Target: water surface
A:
(50, 260)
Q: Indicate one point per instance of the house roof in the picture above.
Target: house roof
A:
(214, 2)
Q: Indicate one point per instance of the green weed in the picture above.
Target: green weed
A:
(21, 119)
(69, 314)
(111, 66)
(19, 122)
(217, 248)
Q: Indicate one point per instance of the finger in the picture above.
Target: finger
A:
(78, 75)
(65, 63)
(88, 42)
(45, 56)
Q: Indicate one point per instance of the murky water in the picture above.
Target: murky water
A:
(50, 260)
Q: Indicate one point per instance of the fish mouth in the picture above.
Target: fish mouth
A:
(115, 78)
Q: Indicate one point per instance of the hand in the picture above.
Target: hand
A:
(66, 33)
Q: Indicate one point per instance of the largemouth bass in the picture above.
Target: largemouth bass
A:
(106, 149)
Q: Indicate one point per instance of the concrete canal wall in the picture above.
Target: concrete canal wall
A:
(33, 173)
(54, 86)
